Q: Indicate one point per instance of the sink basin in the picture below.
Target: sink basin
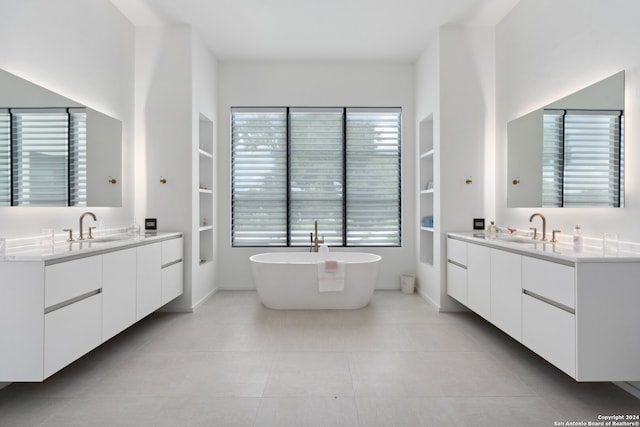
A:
(515, 239)
(106, 239)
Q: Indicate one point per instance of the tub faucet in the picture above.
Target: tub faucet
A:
(81, 237)
(544, 225)
(314, 238)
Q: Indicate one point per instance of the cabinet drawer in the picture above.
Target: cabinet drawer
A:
(171, 251)
(549, 280)
(457, 282)
(171, 282)
(457, 251)
(71, 279)
(550, 332)
(71, 332)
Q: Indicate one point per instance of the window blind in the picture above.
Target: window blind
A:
(373, 177)
(552, 158)
(78, 156)
(40, 157)
(316, 174)
(592, 167)
(259, 177)
(5, 158)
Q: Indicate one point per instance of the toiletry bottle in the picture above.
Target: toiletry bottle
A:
(577, 239)
(492, 230)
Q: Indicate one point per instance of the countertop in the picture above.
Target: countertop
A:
(559, 252)
(67, 251)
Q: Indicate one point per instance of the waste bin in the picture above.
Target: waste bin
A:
(408, 283)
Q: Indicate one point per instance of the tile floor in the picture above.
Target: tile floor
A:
(397, 362)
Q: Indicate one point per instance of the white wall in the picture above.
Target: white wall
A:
(314, 84)
(455, 81)
(204, 96)
(83, 50)
(580, 43)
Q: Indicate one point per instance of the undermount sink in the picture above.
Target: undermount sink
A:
(515, 239)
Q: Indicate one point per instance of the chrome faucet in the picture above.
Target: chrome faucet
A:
(314, 238)
(81, 237)
(544, 225)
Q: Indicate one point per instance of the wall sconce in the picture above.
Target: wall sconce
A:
(469, 180)
(163, 180)
(516, 181)
(112, 180)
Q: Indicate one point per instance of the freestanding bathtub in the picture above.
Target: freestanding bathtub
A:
(289, 280)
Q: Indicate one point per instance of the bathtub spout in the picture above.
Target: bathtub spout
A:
(314, 238)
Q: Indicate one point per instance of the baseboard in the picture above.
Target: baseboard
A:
(204, 299)
(632, 389)
(428, 299)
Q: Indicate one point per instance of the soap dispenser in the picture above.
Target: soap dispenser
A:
(492, 230)
(577, 239)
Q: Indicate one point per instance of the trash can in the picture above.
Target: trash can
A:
(408, 283)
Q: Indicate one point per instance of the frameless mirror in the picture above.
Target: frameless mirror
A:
(570, 153)
(55, 151)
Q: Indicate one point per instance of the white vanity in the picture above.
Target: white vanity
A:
(60, 302)
(577, 310)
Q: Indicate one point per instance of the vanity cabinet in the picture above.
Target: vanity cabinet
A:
(52, 312)
(149, 279)
(119, 291)
(457, 270)
(479, 280)
(172, 266)
(581, 316)
(506, 292)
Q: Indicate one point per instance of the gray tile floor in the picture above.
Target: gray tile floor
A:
(397, 362)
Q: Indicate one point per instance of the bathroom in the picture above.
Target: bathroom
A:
(162, 81)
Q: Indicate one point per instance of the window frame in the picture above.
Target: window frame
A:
(397, 233)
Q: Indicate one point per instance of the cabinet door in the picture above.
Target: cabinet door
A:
(550, 332)
(118, 291)
(479, 280)
(457, 282)
(149, 279)
(506, 292)
(70, 332)
(171, 282)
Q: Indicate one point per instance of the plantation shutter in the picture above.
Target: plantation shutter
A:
(5, 158)
(552, 158)
(40, 157)
(316, 174)
(78, 156)
(373, 177)
(259, 177)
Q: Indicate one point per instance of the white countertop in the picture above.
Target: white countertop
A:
(66, 251)
(560, 252)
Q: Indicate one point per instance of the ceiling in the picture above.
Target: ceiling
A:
(315, 30)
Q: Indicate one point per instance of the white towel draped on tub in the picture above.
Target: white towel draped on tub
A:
(331, 276)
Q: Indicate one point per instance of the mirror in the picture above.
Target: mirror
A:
(570, 153)
(55, 151)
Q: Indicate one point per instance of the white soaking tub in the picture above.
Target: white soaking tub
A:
(289, 280)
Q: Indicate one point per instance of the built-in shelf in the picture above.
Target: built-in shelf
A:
(427, 154)
(205, 153)
(429, 191)
(205, 184)
(429, 229)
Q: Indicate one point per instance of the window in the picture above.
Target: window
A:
(582, 158)
(43, 157)
(292, 166)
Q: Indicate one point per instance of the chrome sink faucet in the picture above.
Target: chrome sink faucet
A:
(80, 236)
(544, 226)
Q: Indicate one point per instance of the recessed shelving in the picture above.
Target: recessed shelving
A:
(426, 199)
(205, 190)
(206, 227)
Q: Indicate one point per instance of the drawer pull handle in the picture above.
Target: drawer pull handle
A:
(63, 304)
(548, 301)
